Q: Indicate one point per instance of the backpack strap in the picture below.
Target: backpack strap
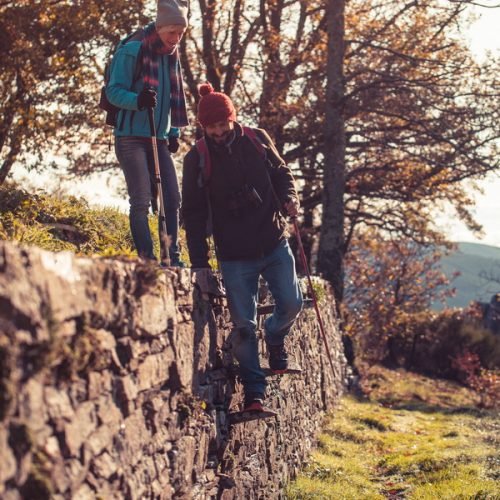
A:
(136, 36)
(257, 141)
(262, 147)
(205, 163)
(205, 166)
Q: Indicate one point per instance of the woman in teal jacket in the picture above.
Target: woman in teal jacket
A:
(146, 73)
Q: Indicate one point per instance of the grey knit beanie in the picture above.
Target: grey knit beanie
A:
(171, 12)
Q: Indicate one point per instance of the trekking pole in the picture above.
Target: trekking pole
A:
(165, 255)
(313, 293)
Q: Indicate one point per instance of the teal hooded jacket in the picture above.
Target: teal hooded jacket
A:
(124, 87)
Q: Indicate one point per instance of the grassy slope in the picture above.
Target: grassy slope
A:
(59, 223)
(413, 438)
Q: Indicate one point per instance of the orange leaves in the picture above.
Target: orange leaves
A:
(485, 382)
(389, 281)
(49, 78)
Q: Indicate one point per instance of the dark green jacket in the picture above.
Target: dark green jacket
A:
(243, 228)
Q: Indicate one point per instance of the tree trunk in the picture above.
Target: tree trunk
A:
(331, 247)
(6, 165)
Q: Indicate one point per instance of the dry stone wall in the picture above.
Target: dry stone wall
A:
(116, 379)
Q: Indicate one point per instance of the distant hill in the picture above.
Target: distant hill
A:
(473, 261)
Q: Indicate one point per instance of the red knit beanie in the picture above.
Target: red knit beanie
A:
(214, 106)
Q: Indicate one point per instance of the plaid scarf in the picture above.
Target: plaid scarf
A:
(151, 50)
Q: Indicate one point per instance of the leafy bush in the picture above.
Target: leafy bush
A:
(430, 341)
(390, 284)
(486, 383)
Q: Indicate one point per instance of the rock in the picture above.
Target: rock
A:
(99, 440)
(104, 466)
(108, 413)
(51, 448)
(154, 311)
(58, 403)
(7, 460)
(145, 416)
(31, 405)
(95, 385)
(85, 492)
(80, 428)
(154, 371)
(127, 388)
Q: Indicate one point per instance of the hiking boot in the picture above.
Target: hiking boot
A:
(254, 401)
(278, 358)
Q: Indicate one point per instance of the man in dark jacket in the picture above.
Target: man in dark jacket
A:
(241, 190)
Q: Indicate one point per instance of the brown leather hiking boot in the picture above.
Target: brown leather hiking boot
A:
(278, 358)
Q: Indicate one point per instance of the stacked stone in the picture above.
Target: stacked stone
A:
(114, 383)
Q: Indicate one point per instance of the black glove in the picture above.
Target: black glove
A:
(146, 99)
(173, 144)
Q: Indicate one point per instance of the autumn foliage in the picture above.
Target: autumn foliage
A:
(389, 284)
(484, 382)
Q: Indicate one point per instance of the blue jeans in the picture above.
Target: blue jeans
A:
(241, 279)
(134, 155)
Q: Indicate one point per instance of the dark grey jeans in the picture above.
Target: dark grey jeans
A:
(134, 155)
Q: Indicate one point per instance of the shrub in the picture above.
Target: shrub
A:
(430, 341)
(486, 383)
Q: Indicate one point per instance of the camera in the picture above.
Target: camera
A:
(244, 198)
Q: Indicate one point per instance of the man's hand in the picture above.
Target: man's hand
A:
(207, 282)
(173, 144)
(146, 99)
(292, 207)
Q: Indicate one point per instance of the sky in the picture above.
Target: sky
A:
(482, 36)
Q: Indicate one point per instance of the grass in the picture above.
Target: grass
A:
(413, 438)
(57, 223)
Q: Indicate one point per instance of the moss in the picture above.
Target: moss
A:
(146, 278)
(84, 352)
(370, 451)
(374, 424)
(58, 223)
(68, 357)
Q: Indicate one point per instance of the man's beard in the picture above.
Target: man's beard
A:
(224, 138)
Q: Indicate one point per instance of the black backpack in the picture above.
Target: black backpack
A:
(110, 109)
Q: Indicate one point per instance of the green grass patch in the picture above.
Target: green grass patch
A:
(371, 450)
(57, 223)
